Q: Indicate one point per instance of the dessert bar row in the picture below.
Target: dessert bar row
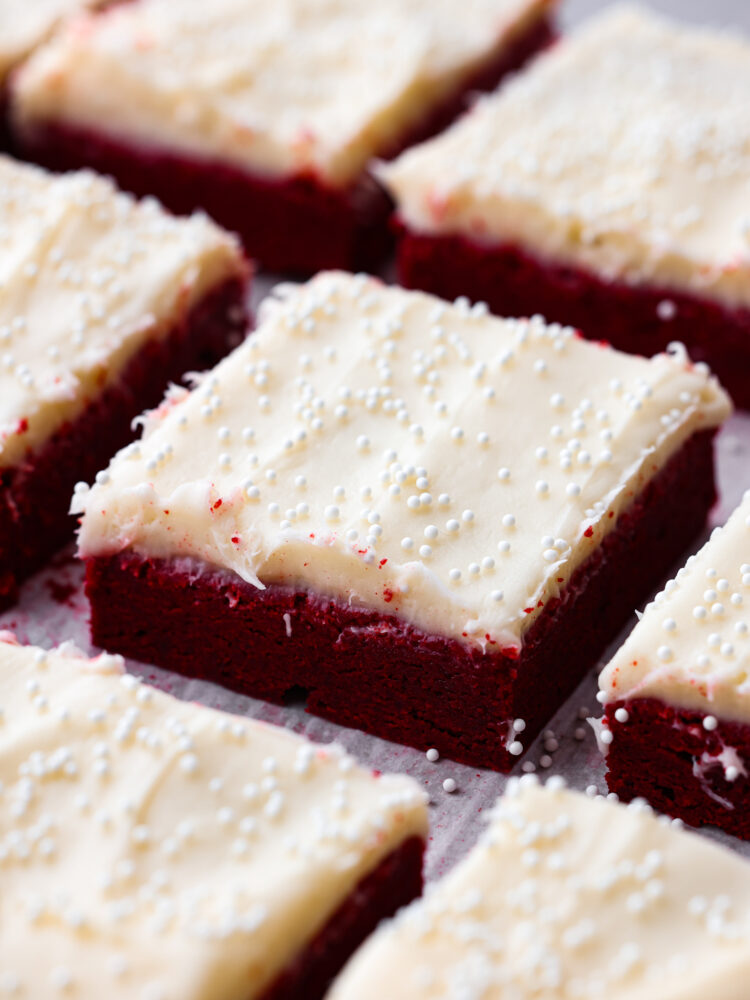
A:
(604, 186)
(267, 115)
(162, 850)
(429, 520)
(450, 532)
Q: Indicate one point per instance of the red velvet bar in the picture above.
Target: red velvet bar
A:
(35, 494)
(299, 224)
(376, 672)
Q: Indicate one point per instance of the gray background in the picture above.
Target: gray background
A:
(718, 12)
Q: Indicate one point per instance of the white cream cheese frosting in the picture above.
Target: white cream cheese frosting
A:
(23, 26)
(152, 849)
(87, 276)
(625, 150)
(565, 898)
(399, 453)
(275, 87)
(691, 648)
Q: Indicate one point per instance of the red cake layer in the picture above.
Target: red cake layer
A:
(658, 755)
(380, 674)
(393, 884)
(634, 318)
(297, 224)
(35, 495)
(5, 134)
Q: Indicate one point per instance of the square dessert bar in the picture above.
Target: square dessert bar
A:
(24, 26)
(569, 897)
(427, 520)
(267, 115)
(103, 300)
(676, 727)
(608, 186)
(160, 850)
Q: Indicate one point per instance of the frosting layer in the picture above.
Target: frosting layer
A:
(280, 88)
(691, 648)
(159, 850)
(567, 897)
(23, 26)
(87, 275)
(625, 149)
(403, 454)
